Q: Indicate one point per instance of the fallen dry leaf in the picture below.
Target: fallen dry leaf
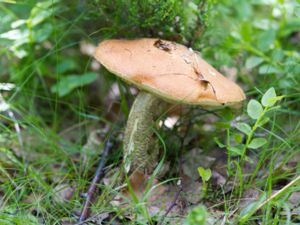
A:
(194, 159)
(294, 199)
(157, 201)
(218, 179)
(63, 192)
(249, 196)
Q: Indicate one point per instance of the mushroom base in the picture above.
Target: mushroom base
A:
(141, 148)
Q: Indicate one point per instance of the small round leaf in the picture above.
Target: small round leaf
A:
(257, 143)
(254, 109)
(269, 98)
(244, 127)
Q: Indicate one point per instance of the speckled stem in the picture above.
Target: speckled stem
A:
(140, 144)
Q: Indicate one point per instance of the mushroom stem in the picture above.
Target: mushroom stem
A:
(140, 145)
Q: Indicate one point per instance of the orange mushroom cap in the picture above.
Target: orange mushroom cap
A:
(168, 70)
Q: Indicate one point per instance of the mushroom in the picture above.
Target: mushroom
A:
(164, 72)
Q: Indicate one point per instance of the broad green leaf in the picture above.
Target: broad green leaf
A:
(253, 61)
(268, 97)
(41, 33)
(254, 109)
(265, 40)
(68, 83)
(18, 23)
(277, 55)
(205, 174)
(257, 143)
(267, 69)
(244, 127)
(66, 65)
(236, 150)
(42, 11)
(291, 26)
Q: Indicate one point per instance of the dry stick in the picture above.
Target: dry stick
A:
(275, 195)
(278, 192)
(171, 206)
(98, 176)
(180, 172)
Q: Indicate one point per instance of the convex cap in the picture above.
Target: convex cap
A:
(168, 70)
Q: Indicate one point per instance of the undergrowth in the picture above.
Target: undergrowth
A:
(57, 105)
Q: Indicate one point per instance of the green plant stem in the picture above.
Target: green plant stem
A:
(249, 137)
(228, 152)
(204, 188)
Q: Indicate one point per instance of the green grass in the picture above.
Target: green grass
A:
(258, 39)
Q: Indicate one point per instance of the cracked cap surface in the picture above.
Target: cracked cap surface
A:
(168, 70)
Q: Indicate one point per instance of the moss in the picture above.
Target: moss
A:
(178, 20)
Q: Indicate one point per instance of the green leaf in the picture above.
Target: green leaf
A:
(68, 83)
(278, 55)
(254, 109)
(268, 69)
(197, 216)
(227, 114)
(224, 125)
(238, 137)
(15, 34)
(257, 143)
(269, 97)
(17, 23)
(66, 65)
(42, 32)
(236, 150)
(266, 39)
(253, 61)
(42, 11)
(205, 174)
(219, 143)
(244, 127)
(246, 31)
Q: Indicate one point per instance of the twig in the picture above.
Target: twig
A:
(272, 197)
(171, 206)
(98, 176)
(278, 193)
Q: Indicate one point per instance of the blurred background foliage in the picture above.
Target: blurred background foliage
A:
(46, 52)
(40, 40)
